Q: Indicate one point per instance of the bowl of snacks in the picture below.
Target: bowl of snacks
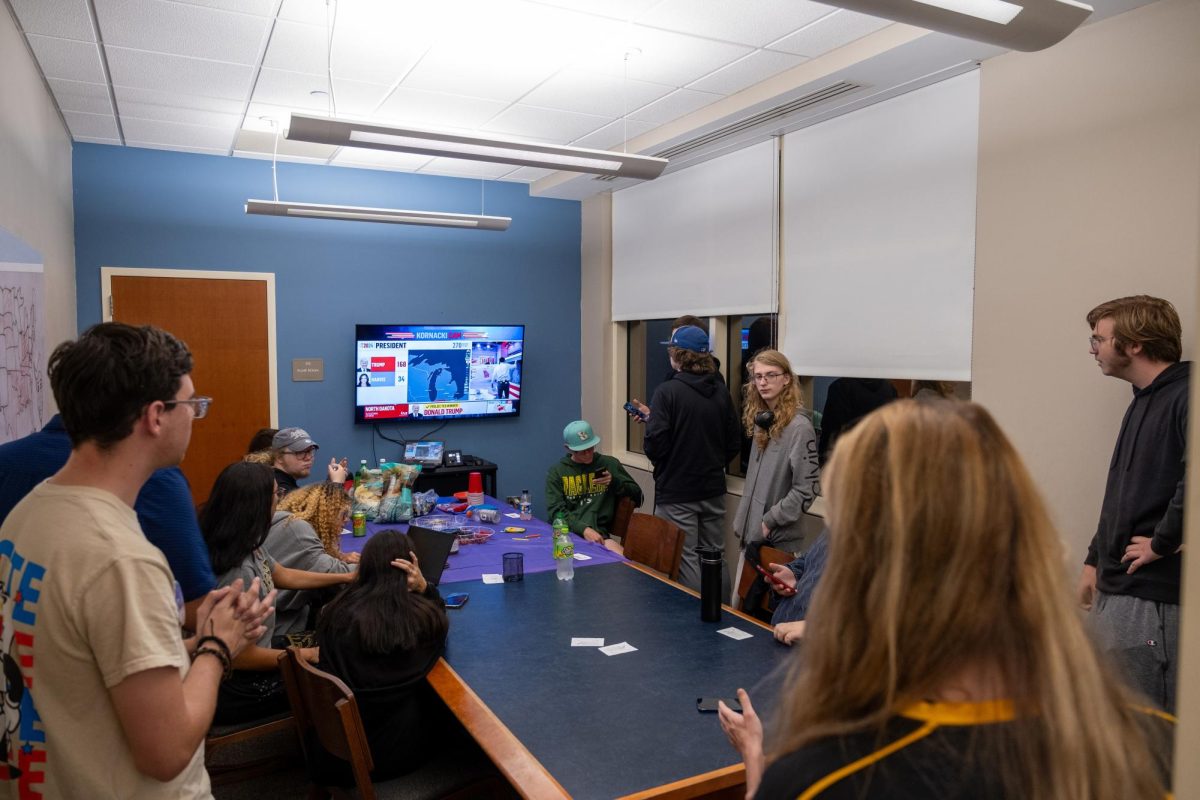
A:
(441, 522)
(474, 534)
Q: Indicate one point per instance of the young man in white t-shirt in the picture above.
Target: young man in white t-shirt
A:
(104, 697)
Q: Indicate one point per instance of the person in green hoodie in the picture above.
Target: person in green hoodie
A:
(583, 487)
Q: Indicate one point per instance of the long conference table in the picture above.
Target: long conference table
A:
(571, 722)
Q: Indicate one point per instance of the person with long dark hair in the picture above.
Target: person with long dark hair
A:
(235, 521)
(382, 636)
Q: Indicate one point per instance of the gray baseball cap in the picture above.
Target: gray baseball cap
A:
(292, 440)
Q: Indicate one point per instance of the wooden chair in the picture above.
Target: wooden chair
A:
(655, 542)
(327, 716)
(769, 555)
(620, 525)
(234, 753)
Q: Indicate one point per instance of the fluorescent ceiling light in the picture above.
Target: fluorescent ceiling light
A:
(1026, 25)
(997, 11)
(499, 150)
(280, 208)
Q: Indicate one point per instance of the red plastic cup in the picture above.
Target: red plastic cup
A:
(475, 483)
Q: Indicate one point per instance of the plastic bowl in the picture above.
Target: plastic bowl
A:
(474, 534)
(441, 522)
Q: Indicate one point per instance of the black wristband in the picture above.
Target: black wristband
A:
(219, 642)
(226, 664)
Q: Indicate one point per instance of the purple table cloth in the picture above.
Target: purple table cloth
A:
(473, 560)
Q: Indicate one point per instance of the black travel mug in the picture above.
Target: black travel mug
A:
(710, 583)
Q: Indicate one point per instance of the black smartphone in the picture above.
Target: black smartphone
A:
(634, 411)
(457, 600)
(709, 704)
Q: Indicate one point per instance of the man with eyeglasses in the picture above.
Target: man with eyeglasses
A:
(294, 454)
(164, 505)
(1131, 575)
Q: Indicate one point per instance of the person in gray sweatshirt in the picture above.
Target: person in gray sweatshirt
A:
(782, 476)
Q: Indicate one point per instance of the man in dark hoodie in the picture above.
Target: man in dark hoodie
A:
(691, 434)
(1130, 578)
(584, 485)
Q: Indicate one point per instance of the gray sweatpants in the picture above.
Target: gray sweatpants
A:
(1141, 637)
(703, 524)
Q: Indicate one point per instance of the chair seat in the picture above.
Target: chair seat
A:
(444, 777)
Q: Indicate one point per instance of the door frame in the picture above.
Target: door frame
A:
(107, 273)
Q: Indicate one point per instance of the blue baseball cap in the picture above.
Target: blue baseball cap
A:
(689, 337)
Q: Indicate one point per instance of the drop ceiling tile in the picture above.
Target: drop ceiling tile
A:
(380, 159)
(296, 47)
(380, 43)
(173, 134)
(830, 32)
(96, 126)
(186, 116)
(268, 157)
(97, 140)
(752, 22)
(674, 106)
(527, 174)
(254, 141)
(181, 29)
(758, 66)
(220, 105)
(179, 75)
(68, 59)
(208, 151)
(613, 134)
(89, 98)
(67, 19)
(617, 9)
(460, 168)
(309, 11)
(589, 92)
(436, 109)
(262, 8)
(675, 58)
(294, 90)
(544, 123)
(475, 74)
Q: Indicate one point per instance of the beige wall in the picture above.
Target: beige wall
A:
(35, 178)
(1089, 189)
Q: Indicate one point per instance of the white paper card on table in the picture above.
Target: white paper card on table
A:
(617, 649)
(346, 531)
(513, 515)
(581, 641)
(735, 633)
(582, 557)
(493, 577)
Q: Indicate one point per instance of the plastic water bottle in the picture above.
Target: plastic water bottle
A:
(564, 551)
(361, 475)
(526, 505)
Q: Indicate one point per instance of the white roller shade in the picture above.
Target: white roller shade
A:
(879, 237)
(699, 241)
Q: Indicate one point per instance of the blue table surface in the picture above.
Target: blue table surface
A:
(606, 726)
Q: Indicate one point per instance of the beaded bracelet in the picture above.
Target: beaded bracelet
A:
(226, 664)
(219, 642)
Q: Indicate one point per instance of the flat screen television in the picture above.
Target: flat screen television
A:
(428, 372)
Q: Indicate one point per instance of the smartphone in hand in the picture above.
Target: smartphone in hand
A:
(709, 704)
(782, 587)
(634, 411)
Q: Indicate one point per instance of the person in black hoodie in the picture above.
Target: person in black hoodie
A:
(1130, 579)
(691, 434)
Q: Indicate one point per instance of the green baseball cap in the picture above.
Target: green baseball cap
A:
(579, 435)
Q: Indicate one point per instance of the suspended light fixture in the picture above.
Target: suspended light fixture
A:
(498, 150)
(364, 214)
(1025, 25)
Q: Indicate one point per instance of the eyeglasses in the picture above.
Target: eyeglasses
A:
(1094, 342)
(305, 455)
(765, 376)
(199, 405)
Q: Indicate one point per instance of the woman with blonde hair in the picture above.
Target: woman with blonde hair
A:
(781, 479)
(944, 656)
(304, 535)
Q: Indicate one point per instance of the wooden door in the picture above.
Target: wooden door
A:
(225, 323)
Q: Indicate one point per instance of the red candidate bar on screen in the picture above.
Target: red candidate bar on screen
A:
(383, 363)
(385, 412)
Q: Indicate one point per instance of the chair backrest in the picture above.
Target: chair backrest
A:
(655, 542)
(768, 555)
(620, 525)
(326, 707)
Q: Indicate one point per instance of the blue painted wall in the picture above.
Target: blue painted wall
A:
(152, 208)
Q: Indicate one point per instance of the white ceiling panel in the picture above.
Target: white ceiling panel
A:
(263, 142)
(181, 29)
(474, 74)
(544, 123)
(89, 98)
(758, 66)
(617, 9)
(308, 11)
(839, 28)
(297, 47)
(465, 169)
(269, 191)
(220, 105)
(67, 19)
(678, 59)
(174, 148)
(96, 126)
(138, 69)
(527, 174)
(752, 22)
(262, 8)
(186, 116)
(674, 106)
(294, 90)
(96, 140)
(437, 109)
(589, 92)
(613, 134)
(380, 159)
(68, 59)
(171, 134)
